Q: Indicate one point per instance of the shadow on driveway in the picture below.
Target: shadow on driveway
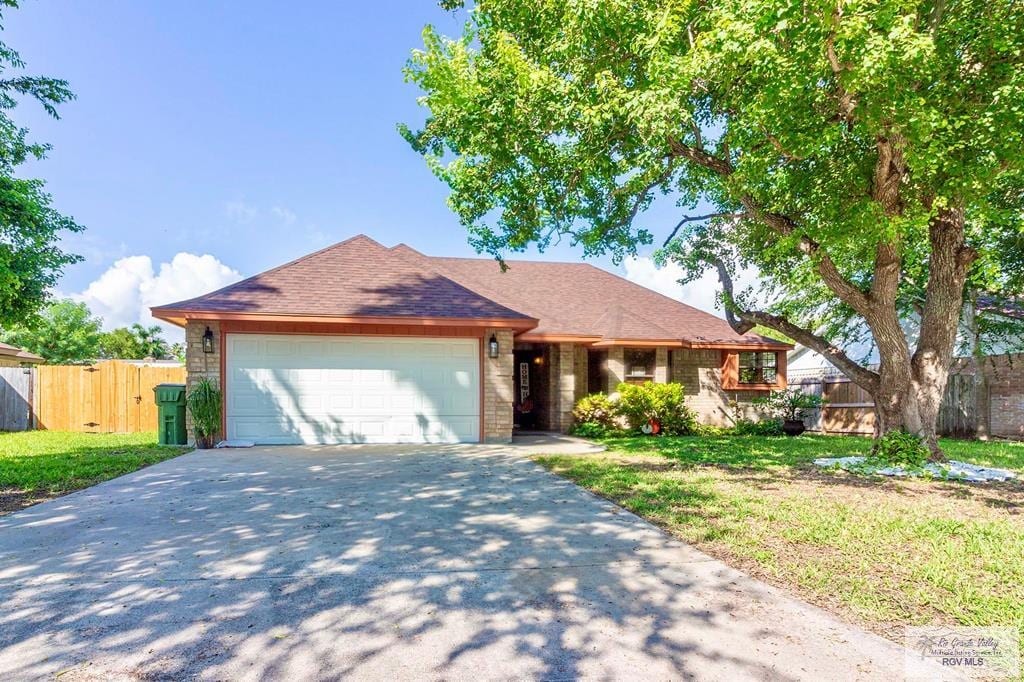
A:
(383, 562)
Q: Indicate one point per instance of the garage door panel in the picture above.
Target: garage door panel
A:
(286, 389)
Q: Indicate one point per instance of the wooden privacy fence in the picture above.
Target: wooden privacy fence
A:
(111, 396)
(850, 409)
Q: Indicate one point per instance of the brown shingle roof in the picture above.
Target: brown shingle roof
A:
(361, 278)
(580, 299)
(354, 278)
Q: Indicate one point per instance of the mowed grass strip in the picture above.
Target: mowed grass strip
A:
(883, 553)
(38, 465)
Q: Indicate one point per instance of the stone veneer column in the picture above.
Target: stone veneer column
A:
(616, 367)
(499, 388)
(661, 369)
(199, 364)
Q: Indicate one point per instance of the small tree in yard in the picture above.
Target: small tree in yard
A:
(791, 405)
(135, 343)
(865, 157)
(64, 332)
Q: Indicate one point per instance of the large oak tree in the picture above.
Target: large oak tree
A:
(864, 155)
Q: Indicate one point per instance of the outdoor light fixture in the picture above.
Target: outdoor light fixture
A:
(208, 341)
(492, 347)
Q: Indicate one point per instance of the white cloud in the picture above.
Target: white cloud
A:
(283, 214)
(701, 293)
(244, 213)
(240, 212)
(123, 294)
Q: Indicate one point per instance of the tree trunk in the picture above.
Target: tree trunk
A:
(907, 389)
(910, 390)
(949, 264)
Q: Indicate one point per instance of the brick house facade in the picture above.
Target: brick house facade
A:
(361, 343)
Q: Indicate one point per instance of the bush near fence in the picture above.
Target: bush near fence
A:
(113, 396)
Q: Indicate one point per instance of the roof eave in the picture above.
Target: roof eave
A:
(181, 318)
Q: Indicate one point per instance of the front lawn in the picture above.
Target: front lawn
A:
(39, 465)
(883, 553)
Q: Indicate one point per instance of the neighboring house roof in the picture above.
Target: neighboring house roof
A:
(359, 278)
(14, 353)
(1008, 307)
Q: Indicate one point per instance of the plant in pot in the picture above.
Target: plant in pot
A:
(204, 402)
(791, 405)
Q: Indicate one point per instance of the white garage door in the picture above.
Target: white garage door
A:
(352, 389)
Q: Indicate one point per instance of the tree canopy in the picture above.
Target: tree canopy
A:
(31, 260)
(135, 343)
(65, 332)
(865, 156)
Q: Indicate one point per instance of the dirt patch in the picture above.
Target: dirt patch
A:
(12, 499)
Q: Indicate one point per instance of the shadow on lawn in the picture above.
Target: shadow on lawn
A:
(295, 563)
(768, 463)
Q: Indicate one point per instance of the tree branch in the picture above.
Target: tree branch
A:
(784, 225)
(662, 177)
(698, 218)
(742, 321)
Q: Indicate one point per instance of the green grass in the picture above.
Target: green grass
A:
(884, 553)
(54, 462)
(760, 452)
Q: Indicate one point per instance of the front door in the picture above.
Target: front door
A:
(527, 404)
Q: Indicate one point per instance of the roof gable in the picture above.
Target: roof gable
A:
(356, 278)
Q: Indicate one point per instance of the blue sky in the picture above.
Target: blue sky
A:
(237, 136)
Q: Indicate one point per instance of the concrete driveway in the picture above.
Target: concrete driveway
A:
(372, 562)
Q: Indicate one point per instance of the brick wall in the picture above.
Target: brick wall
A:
(1005, 375)
(499, 388)
(199, 364)
(699, 371)
(661, 369)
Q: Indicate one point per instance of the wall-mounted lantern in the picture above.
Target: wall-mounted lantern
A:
(208, 341)
(492, 347)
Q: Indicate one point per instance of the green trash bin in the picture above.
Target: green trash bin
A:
(170, 401)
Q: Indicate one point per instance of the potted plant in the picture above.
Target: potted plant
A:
(791, 406)
(204, 402)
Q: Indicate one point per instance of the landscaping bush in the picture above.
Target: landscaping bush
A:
(765, 427)
(597, 409)
(711, 431)
(664, 404)
(899, 448)
(591, 430)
